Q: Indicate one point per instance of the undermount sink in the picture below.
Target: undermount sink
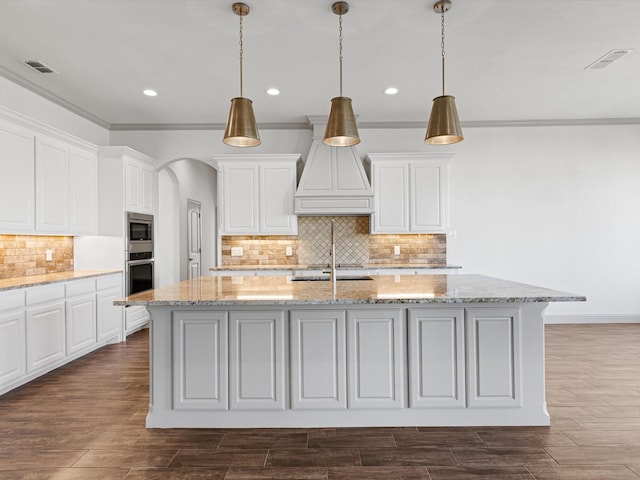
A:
(326, 279)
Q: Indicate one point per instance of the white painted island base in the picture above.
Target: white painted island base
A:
(340, 365)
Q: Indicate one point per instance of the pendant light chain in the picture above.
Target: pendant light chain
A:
(241, 54)
(340, 36)
(442, 45)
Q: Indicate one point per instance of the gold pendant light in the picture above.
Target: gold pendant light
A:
(444, 126)
(342, 130)
(241, 130)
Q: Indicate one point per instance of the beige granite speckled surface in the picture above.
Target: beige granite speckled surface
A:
(383, 289)
(44, 279)
(368, 266)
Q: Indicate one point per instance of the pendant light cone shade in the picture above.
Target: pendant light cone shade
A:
(342, 130)
(241, 130)
(444, 126)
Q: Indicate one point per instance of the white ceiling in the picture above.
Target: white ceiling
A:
(507, 60)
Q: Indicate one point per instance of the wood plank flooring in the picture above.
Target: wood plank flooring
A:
(85, 421)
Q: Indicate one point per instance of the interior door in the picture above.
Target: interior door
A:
(194, 237)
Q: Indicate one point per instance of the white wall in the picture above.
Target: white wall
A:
(23, 101)
(196, 181)
(555, 206)
(167, 259)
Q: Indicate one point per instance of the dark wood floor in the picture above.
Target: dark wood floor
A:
(86, 422)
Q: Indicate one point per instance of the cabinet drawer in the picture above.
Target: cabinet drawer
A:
(109, 281)
(45, 293)
(79, 287)
(12, 299)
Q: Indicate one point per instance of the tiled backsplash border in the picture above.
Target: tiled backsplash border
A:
(23, 255)
(354, 245)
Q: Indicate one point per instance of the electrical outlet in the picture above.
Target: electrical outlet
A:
(396, 249)
(237, 251)
(289, 251)
(48, 255)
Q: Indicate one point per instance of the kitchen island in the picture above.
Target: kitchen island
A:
(393, 350)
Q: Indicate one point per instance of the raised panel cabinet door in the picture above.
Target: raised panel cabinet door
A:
(318, 359)
(109, 316)
(494, 365)
(240, 199)
(135, 318)
(257, 360)
(436, 357)
(81, 323)
(13, 359)
(200, 360)
(427, 197)
(277, 187)
(376, 358)
(133, 181)
(52, 186)
(147, 186)
(83, 191)
(45, 335)
(391, 197)
(17, 188)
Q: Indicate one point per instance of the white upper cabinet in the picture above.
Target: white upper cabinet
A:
(17, 197)
(50, 182)
(410, 192)
(140, 180)
(255, 194)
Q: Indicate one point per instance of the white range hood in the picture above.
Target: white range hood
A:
(333, 181)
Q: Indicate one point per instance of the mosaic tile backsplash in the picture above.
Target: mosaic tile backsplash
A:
(354, 245)
(23, 255)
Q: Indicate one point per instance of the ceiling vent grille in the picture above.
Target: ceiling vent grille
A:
(608, 59)
(39, 66)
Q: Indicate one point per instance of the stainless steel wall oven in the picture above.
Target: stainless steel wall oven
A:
(139, 254)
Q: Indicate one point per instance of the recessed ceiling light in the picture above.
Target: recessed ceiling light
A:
(150, 93)
(273, 91)
(391, 91)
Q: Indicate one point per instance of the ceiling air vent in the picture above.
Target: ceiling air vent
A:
(39, 66)
(608, 59)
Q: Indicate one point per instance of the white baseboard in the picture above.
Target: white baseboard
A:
(591, 318)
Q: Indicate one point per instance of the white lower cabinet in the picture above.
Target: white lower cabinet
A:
(109, 316)
(318, 359)
(376, 358)
(494, 350)
(200, 363)
(436, 357)
(45, 320)
(12, 337)
(257, 360)
(80, 316)
(136, 317)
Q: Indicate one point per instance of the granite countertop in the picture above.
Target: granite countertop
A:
(368, 266)
(381, 289)
(44, 279)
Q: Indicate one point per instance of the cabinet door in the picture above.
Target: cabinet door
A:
(240, 199)
(376, 357)
(436, 357)
(277, 187)
(135, 318)
(13, 364)
(200, 363)
(109, 316)
(391, 194)
(494, 370)
(257, 360)
(52, 186)
(133, 195)
(45, 335)
(427, 198)
(318, 359)
(81, 323)
(83, 201)
(147, 190)
(17, 207)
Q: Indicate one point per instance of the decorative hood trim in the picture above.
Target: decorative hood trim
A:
(333, 180)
